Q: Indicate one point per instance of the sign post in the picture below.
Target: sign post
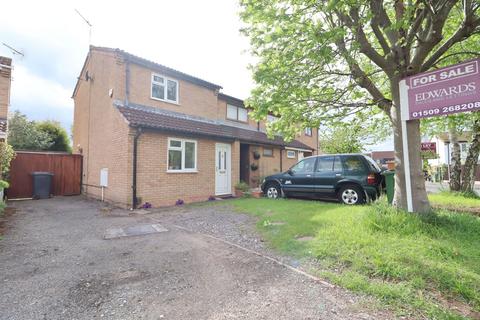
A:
(448, 90)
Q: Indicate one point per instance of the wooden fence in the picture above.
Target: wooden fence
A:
(67, 170)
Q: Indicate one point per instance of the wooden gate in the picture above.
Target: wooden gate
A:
(67, 170)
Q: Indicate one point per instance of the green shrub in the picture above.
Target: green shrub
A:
(6, 156)
(4, 184)
(242, 186)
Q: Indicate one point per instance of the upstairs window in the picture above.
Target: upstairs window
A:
(308, 132)
(164, 89)
(237, 113)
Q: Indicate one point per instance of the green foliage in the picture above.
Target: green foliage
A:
(58, 135)
(341, 141)
(456, 200)
(406, 261)
(242, 186)
(2, 208)
(24, 134)
(326, 62)
(6, 156)
(351, 138)
(4, 184)
(462, 122)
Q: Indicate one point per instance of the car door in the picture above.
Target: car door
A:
(300, 178)
(328, 172)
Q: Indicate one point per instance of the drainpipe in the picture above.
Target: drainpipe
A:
(134, 169)
(281, 160)
(127, 81)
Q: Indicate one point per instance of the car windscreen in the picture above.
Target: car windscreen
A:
(373, 164)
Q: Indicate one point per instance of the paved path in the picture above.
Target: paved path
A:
(55, 264)
(435, 187)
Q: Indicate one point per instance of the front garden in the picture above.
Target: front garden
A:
(420, 266)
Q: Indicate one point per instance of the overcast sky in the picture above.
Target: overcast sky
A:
(200, 38)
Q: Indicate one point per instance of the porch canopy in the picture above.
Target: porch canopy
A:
(163, 120)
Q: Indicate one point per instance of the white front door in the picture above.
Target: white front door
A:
(223, 170)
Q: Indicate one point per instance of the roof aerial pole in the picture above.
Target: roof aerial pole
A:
(14, 51)
(89, 26)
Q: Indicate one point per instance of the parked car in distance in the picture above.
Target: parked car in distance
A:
(350, 178)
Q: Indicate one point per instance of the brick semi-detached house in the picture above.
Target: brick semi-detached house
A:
(5, 83)
(149, 133)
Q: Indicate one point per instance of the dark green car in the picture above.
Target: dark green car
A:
(350, 178)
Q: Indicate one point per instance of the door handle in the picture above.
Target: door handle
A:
(309, 175)
(338, 174)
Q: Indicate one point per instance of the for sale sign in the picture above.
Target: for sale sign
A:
(428, 146)
(444, 91)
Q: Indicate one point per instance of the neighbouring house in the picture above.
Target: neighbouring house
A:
(5, 84)
(384, 159)
(149, 133)
(444, 151)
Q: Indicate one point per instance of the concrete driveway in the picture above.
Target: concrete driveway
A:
(56, 264)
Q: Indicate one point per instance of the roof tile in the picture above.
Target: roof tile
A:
(146, 117)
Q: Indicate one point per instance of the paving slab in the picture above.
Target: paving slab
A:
(131, 231)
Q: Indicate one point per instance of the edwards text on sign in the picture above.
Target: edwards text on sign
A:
(444, 91)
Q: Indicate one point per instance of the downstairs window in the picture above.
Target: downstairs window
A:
(182, 155)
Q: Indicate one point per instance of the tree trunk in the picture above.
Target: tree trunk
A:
(419, 193)
(469, 170)
(456, 167)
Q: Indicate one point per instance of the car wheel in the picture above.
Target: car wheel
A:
(351, 194)
(273, 191)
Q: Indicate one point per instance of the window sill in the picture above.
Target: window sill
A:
(166, 101)
(182, 171)
(235, 120)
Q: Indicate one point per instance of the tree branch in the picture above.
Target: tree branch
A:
(466, 29)
(473, 53)
(433, 35)
(361, 78)
(380, 15)
(354, 24)
(417, 22)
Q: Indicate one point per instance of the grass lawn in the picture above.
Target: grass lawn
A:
(420, 266)
(455, 201)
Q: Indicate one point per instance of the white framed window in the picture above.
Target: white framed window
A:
(291, 154)
(182, 155)
(237, 113)
(308, 132)
(164, 89)
(267, 152)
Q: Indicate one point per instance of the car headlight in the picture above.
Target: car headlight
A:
(263, 181)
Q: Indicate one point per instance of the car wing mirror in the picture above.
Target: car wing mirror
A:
(290, 172)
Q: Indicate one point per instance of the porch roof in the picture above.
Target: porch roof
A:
(164, 120)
